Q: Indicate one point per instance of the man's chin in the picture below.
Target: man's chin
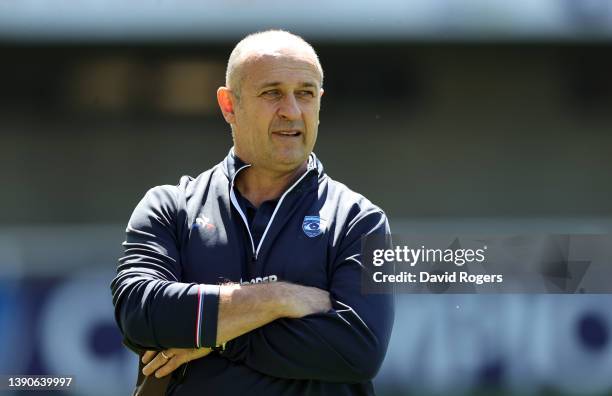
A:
(290, 163)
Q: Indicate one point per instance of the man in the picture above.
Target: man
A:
(247, 278)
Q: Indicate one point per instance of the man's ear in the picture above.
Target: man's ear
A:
(321, 92)
(226, 103)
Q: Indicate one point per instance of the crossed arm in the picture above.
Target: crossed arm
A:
(279, 329)
(241, 310)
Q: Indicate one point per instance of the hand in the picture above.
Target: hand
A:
(243, 308)
(306, 300)
(158, 364)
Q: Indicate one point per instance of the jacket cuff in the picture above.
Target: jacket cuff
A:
(133, 347)
(207, 316)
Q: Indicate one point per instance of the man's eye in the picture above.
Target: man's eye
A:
(306, 93)
(271, 93)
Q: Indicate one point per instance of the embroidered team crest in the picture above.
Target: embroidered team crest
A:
(204, 222)
(313, 226)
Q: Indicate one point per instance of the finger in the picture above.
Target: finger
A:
(154, 364)
(180, 357)
(169, 367)
(147, 356)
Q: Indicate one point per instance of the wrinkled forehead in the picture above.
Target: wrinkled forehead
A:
(279, 63)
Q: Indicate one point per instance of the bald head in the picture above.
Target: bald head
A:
(275, 43)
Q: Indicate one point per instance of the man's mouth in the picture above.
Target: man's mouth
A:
(288, 133)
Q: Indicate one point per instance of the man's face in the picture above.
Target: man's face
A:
(277, 115)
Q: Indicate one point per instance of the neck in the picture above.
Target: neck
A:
(259, 185)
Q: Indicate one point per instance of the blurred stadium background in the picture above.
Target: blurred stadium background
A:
(452, 115)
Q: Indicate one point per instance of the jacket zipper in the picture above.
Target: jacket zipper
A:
(244, 219)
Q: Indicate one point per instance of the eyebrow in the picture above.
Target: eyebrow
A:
(278, 83)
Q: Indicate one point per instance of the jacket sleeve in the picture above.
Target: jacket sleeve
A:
(346, 344)
(153, 309)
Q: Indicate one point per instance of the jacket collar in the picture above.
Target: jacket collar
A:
(232, 164)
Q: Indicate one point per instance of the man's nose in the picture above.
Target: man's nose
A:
(289, 108)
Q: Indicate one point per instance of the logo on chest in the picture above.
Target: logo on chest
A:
(313, 226)
(204, 222)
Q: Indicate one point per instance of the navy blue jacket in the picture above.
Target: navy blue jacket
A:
(183, 240)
